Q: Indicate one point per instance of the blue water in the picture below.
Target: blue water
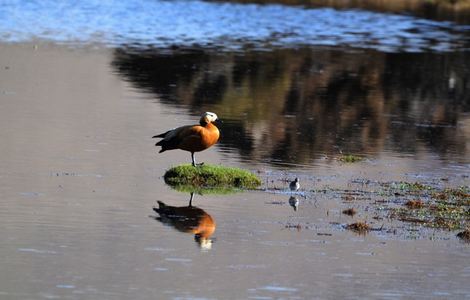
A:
(144, 23)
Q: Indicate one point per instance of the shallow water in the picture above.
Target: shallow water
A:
(80, 174)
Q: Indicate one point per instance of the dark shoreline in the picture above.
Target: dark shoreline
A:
(457, 11)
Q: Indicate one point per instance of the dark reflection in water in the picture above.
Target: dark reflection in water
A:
(297, 105)
(454, 10)
(294, 202)
(188, 219)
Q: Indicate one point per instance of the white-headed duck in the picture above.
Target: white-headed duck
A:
(192, 138)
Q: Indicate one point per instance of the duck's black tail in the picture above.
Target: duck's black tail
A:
(161, 135)
(163, 143)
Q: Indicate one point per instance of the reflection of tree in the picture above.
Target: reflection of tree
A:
(454, 10)
(294, 105)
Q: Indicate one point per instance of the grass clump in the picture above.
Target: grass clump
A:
(211, 176)
(359, 227)
(464, 235)
(350, 158)
(460, 195)
(350, 212)
(411, 186)
(414, 204)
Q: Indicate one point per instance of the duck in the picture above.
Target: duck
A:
(294, 185)
(191, 138)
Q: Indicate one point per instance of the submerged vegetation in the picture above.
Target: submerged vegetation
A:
(445, 209)
(402, 207)
(464, 235)
(359, 227)
(350, 212)
(210, 177)
(350, 158)
(397, 207)
(413, 204)
(409, 186)
(428, 206)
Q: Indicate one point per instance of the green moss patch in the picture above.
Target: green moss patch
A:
(212, 177)
(350, 158)
(409, 187)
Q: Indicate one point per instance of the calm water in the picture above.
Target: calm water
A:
(294, 84)
(84, 86)
(299, 106)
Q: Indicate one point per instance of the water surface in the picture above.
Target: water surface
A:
(298, 107)
(80, 176)
(296, 88)
(222, 25)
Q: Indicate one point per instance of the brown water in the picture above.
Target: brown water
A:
(79, 172)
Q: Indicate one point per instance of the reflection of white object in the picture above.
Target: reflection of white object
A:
(206, 244)
(294, 185)
(452, 81)
(294, 202)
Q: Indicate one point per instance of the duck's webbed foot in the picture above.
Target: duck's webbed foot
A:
(193, 159)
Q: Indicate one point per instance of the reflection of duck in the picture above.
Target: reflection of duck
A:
(192, 138)
(189, 219)
(294, 202)
(295, 185)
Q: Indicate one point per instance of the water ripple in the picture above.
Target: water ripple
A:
(224, 25)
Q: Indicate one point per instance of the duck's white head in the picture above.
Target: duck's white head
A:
(208, 117)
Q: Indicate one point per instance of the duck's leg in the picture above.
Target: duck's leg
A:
(193, 158)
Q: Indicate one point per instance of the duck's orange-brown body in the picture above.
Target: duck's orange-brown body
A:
(192, 138)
